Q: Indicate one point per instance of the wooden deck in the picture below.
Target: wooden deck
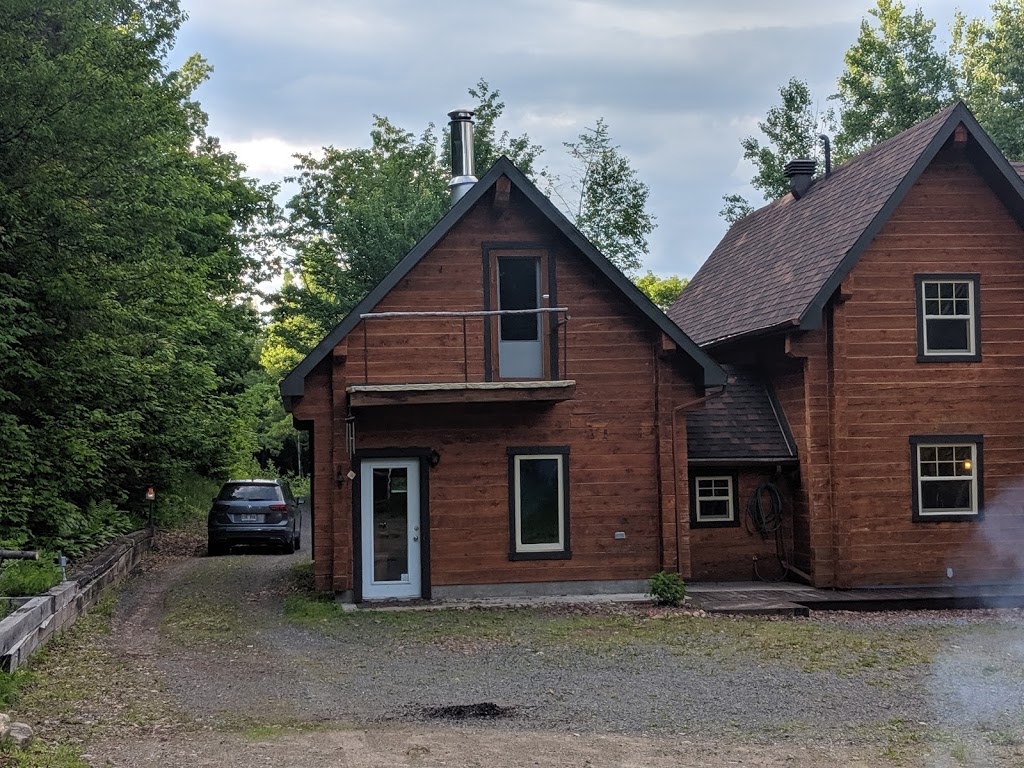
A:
(789, 599)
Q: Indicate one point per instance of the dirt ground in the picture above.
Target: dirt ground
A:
(207, 662)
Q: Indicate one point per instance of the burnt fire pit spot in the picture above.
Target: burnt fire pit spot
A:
(483, 711)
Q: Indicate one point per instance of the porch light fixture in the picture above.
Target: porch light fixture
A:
(434, 458)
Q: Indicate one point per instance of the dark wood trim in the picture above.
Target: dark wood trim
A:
(424, 455)
(566, 552)
(553, 323)
(488, 351)
(978, 441)
(812, 317)
(952, 357)
(546, 272)
(715, 472)
(293, 385)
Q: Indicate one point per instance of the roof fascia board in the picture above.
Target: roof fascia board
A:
(713, 374)
(293, 385)
(811, 318)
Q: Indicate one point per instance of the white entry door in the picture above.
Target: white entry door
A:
(390, 513)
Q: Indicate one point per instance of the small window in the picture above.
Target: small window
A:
(947, 476)
(538, 503)
(947, 311)
(714, 501)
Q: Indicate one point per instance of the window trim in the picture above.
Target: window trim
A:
(517, 551)
(974, 329)
(711, 474)
(976, 442)
(491, 251)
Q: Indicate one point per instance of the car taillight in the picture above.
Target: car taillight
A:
(279, 507)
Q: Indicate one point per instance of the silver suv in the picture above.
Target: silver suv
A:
(254, 512)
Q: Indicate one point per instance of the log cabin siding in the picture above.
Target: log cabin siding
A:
(728, 553)
(618, 427)
(950, 222)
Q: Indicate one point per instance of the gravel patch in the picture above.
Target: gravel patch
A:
(901, 684)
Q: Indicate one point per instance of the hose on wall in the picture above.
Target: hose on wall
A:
(764, 516)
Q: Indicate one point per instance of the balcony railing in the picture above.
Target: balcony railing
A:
(485, 372)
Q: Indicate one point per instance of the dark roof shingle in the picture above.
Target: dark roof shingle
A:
(744, 423)
(771, 265)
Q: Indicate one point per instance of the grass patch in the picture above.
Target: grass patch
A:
(192, 618)
(11, 686)
(1003, 738)
(805, 645)
(24, 578)
(40, 755)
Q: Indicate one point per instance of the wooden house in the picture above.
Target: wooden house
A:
(504, 414)
(882, 306)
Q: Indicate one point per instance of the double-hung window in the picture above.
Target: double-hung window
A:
(538, 498)
(713, 501)
(948, 326)
(947, 473)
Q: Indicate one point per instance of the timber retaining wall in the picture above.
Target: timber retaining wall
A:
(39, 618)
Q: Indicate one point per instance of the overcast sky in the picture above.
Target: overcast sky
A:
(679, 82)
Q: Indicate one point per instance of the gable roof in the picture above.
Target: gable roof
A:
(293, 384)
(779, 266)
(743, 425)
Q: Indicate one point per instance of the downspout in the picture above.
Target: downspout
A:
(675, 463)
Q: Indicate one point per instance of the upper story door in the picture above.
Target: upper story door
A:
(520, 338)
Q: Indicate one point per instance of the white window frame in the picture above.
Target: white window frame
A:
(698, 497)
(557, 546)
(974, 510)
(971, 316)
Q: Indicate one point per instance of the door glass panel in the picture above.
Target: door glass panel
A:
(518, 289)
(391, 524)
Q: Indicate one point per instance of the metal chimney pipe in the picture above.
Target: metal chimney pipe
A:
(462, 153)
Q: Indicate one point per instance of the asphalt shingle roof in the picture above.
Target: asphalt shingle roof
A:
(771, 265)
(744, 422)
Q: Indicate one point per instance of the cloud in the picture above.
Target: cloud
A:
(268, 157)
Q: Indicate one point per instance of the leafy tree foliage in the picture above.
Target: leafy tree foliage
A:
(896, 76)
(662, 291)
(990, 65)
(129, 243)
(611, 200)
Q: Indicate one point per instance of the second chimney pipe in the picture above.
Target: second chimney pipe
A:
(462, 153)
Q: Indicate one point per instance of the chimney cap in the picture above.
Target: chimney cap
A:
(801, 167)
(462, 114)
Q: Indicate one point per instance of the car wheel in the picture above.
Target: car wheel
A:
(298, 541)
(288, 547)
(217, 548)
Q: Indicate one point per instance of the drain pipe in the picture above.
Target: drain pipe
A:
(675, 463)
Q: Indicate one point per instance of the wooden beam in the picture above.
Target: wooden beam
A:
(502, 192)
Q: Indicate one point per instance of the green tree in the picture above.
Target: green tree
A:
(610, 204)
(662, 291)
(894, 77)
(129, 246)
(790, 129)
(989, 57)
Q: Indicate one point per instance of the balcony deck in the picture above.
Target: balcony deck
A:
(368, 395)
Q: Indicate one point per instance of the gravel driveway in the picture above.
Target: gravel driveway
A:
(218, 661)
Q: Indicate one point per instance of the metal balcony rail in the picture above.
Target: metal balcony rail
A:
(464, 316)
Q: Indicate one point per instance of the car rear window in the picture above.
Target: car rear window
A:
(250, 492)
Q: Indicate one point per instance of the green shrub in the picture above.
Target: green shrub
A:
(667, 588)
(185, 501)
(23, 578)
